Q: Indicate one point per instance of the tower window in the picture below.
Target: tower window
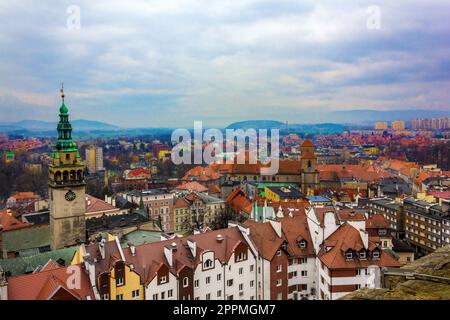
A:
(309, 164)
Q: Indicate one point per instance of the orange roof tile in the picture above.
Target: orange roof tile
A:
(347, 237)
(8, 222)
(94, 204)
(377, 221)
(42, 285)
(192, 186)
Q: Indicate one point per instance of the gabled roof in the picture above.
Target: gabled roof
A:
(8, 222)
(50, 265)
(94, 204)
(296, 228)
(43, 285)
(377, 221)
(200, 173)
(150, 257)
(346, 237)
(351, 215)
(265, 238)
(307, 143)
(192, 186)
(239, 202)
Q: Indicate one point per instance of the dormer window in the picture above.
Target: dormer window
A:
(362, 254)
(241, 257)
(302, 244)
(208, 264)
(163, 279)
(349, 254)
(376, 254)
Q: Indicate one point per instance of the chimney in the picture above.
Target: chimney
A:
(276, 225)
(168, 252)
(193, 247)
(132, 249)
(364, 238)
(101, 247)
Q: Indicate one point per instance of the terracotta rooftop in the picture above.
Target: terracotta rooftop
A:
(8, 222)
(48, 285)
(192, 186)
(377, 221)
(346, 237)
(307, 143)
(239, 202)
(94, 204)
(150, 257)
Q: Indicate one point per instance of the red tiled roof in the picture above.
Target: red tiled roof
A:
(214, 188)
(42, 285)
(8, 222)
(150, 257)
(181, 203)
(351, 215)
(94, 204)
(200, 173)
(347, 237)
(239, 202)
(295, 229)
(50, 265)
(307, 143)
(192, 186)
(25, 196)
(331, 172)
(377, 221)
(265, 238)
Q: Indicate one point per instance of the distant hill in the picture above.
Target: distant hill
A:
(333, 120)
(321, 128)
(43, 126)
(256, 124)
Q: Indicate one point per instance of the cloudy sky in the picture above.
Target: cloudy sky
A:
(151, 63)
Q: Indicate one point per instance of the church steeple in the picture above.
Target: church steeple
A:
(67, 200)
(65, 142)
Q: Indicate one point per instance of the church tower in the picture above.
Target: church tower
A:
(309, 179)
(66, 187)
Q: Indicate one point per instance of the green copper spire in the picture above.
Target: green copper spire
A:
(65, 142)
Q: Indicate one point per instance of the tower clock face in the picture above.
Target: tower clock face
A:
(70, 195)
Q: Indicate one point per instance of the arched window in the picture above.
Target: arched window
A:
(65, 175)
(58, 176)
(185, 282)
(309, 164)
(80, 175)
(73, 175)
